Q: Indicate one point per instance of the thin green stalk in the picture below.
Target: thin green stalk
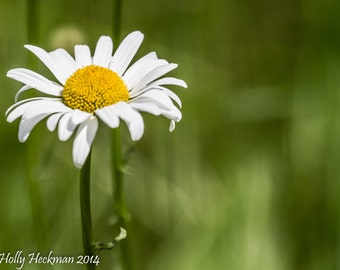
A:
(119, 199)
(85, 208)
(39, 228)
(118, 164)
(117, 19)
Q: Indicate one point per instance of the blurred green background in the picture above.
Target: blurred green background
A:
(250, 178)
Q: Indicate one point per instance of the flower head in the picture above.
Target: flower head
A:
(90, 88)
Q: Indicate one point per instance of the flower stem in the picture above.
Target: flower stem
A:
(119, 200)
(117, 19)
(85, 208)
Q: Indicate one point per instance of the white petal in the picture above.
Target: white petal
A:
(103, 53)
(139, 65)
(173, 114)
(21, 90)
(169, 81)
(136, 126)
(155, 96)
(44, 107)
(57, 70)
(134, 76)
(83, 141)
(63, 59)
(26, 125)
(18, 109)
(66, 127)
(82, 55)
(52, 121)
(172, 126)
(154, 74)
(126, 51)
(146, 107)
(171, 94)
(79, 116)
(35, 80)
(132, 118)
(109, 116)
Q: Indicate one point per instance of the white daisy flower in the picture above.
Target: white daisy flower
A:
(91, 88)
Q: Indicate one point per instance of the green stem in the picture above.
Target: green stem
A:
(118, 164)
(34, 188)
(85, 208)
(117, 19)
(119, 200)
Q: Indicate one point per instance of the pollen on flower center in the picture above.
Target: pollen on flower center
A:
(94, 87)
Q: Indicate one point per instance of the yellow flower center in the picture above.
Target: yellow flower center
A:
(93, 87)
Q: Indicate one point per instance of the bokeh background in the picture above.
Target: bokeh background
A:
(250, 178)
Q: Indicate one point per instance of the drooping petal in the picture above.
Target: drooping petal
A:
(173, 114)
(26, 126)
(52, 121)
(136, 126)
(171, 95)
(21, 90)
(131, 117)
(109, 116)
(103, 53)
(82, 55)
(125, 52)
(66, 127)
(83, 141)
(172, 126)
(79, 116)
(63, 59)
(35, 80)
(58, 71)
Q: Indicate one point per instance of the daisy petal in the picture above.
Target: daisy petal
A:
(173, 114)
(132, 79)
(83, 141)
(26, 126)
(132, 118)
(52, 121)
(82, 55)
(171, 94)
(66, 127)
(169, 81)
(146, 107)
(125, 52)
(63, 59)
(79, 116)
(103, 53)
(18, 109)
(136, 126)
(172, 126)
(21, 90)
(45, 57)
(109, 116)
(155, 96)
(44, 106)
(154, 74)
(139, 65)
(35, 80)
